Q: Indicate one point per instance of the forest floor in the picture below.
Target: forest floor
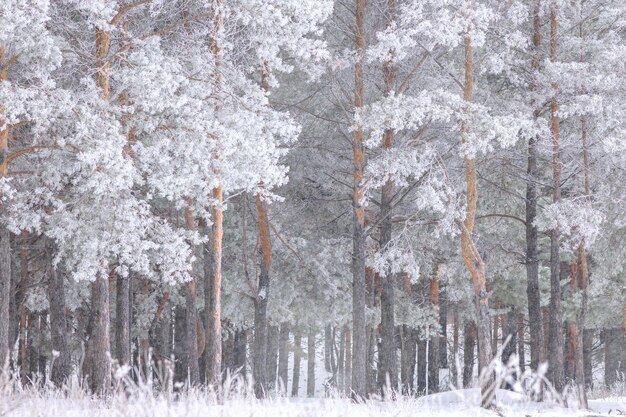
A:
(460, 403)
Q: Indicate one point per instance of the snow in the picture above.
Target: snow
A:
(462, 403)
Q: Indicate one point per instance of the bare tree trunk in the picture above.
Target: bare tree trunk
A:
(614, 366)
(341, 360)
(328, 347)
(260, 306)
(97, 363)
(122, 320)
(273, 335)
(5, 246)
(283, 356)
(408, 352)
(239, 354)
(310, 373)
(359, 345)
(213, 322)
(472, 258)
(22, 303)
(443, 323)
(521, 347)
(469, 345)
(348, 373)
(555, 341)
(191, 317)
(61, 365)
(421, 365)
(454, 369)
(537, 342)
(387, 355)
(433, 347)
(297, 357)
(588, 335)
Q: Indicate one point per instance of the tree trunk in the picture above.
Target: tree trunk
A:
(555, 341)
(421, 365)
(387, 355)
(22, 303)
(273, 335)
(122, 320)
(521, 347)
(61, 363)
(359, 346)
(433, 345)
(97, 363)
(260, 305)
(472, 258)
(5, 246)
(588, 335)
(328, 347)
(191, 317)
(341, 361)
(537, 342)
(239, 354)
(348, 361)
(454, 369)
(310, 373)
(469, 345)
(614, 366)
(283, 357)
(213, 322)
(297, 356)
(408, 352)
(443, 323)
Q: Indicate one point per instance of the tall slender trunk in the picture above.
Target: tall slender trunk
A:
(387, 355)
(273, 334)
(97, 366)
(283, 356)
(260, 304)
(521, 346)
(433, 345)
(61, 365)
(5, 246)
(239, 354)
(472, 258)
(122, 320)
(408, 352)
(23, 285)
(469, 345)
(297, 357)
(328, 347)
(213, 323)
(359, 345)
(341, 362)
(443, 324)
(555, 341)
(97, 363)
(192, 369)
(537, 342)
(348, 361)
(454, 369)
(310, 373)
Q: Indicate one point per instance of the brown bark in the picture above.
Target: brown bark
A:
(260, 304)
(359, 345)
(471, 256)
(555, 341)
(213, 309)
(5, 247)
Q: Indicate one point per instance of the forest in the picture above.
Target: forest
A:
(366, 200)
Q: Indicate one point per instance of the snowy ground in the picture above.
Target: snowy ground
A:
(448, 404)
